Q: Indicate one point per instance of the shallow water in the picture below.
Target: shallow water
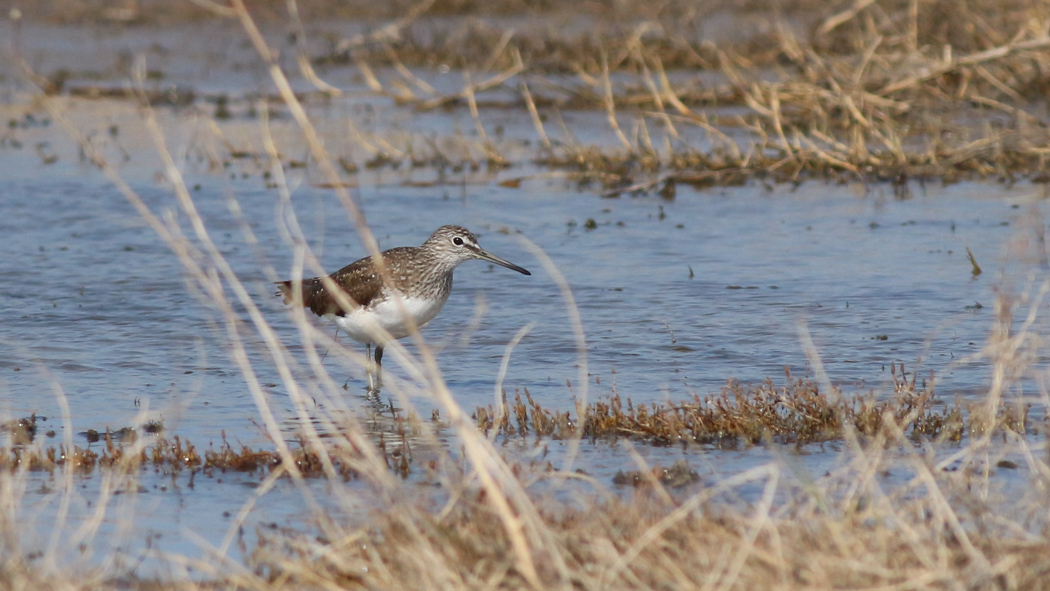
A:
(104, 314)
(676, 295)
(102, 307)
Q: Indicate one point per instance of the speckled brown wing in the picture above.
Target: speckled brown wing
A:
(358, 280)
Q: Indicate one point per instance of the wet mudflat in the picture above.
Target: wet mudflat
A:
(680, 287)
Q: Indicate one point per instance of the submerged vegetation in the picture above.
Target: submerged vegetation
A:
(879, 91)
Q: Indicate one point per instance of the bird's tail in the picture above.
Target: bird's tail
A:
(312, 295)
(285, 290)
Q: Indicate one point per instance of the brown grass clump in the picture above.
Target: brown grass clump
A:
(21, 431)
(815, 90)
(170, 455)
(795, 413)
(888, 91)
(13, 458)
(794, 91)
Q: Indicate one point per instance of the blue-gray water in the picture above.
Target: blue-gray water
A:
(676, 297)
(98, 305)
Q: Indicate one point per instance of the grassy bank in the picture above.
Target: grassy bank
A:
(717, 94)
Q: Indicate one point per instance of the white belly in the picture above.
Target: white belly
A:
(361, 324)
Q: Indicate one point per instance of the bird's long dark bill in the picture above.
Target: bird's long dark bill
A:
(488, 256)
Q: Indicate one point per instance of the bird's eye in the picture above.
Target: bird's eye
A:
(457, 241)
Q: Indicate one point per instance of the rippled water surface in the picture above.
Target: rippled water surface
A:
(676, 296)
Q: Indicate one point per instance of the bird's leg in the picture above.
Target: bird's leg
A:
(379, 367)
(335, 339)
(373, 388)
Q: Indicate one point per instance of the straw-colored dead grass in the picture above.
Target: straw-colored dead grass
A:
(802, 90)
(646, 542)
(889, 517)
(879, 91)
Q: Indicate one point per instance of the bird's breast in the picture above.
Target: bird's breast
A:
(390, 313)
